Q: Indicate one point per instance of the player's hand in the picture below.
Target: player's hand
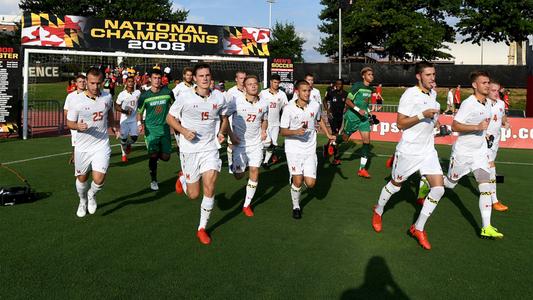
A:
(429, 113)
(362, 112)
(116, 132)
(140, 128)
(221, 138)
(82, 126)
(483, 125)
(332, 138)
(299, 131)
(263, 135)
(190, 135)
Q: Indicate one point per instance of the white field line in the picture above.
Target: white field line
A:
(138, 143)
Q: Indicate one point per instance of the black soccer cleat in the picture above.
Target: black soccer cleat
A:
(266, 166)
(297, 213)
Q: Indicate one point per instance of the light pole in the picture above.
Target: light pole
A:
(340, 42)
(270, 13)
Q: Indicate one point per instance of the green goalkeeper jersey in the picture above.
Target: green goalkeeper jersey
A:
(156, 106)
(360, 95)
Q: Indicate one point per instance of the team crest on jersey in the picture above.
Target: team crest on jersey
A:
(399, 177)
(293, 169)
(215, 106)
(312, 114)
(455, 175)
(260, 110)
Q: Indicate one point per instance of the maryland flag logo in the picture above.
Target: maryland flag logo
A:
(51, 31)
(246, 41)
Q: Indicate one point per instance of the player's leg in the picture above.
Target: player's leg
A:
(124, 132)
(364, 130)
(153, 147)
(268, 145)
(189, 177)
(81, 169)
(309, 170)
(485, 204)
(134, 134)
(99, 164)
(254, 159)
(275, 135)
(208, 202)
(239, 162)
(496, 204)
(165, 147)
(295, 165)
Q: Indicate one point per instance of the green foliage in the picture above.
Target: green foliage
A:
(495, 20)
(286, 43)
(405, 29)
(155, 10)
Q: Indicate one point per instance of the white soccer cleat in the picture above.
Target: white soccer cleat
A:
(82, 210)
(91, 206)
(154, 186)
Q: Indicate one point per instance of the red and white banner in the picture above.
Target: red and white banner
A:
(519, 136)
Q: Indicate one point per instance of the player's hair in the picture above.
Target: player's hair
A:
(275, 77)
(476, 74)
(366, 69)
(94, 71)
(421, 65)
(187, 69)
(251, 77)
(299, 83)
(494, 81)
(339, 80)
(130, 77)
(200, 66)
(156, 71)
(309, 75)
(240, 72)
(80, 76)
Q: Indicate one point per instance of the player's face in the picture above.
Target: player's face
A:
(80, 84)
(494, 92)
(274, 84)
(482, 85)
(155, 80)
(426, 78)
(239, 79)
(368, 76)
(310, 80)
(304, 91)
(338, 85)
(130, 83)
(203, 78)
(251, 86)
(187, 77)
(94, 84)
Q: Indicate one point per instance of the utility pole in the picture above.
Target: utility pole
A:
(270, 13)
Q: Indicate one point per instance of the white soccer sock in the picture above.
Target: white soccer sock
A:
(386, 192)
(123, 144)
(95, 188)
(250, 192)
(183, 183)
(268, 155)
(485, 203)
(205, 211)
(229, 151)
(492, 182)
(295, 195)
(430, 204)
(82, 188)
(449, 184)
(363, 162)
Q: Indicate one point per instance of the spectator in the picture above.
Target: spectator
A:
(457, 98)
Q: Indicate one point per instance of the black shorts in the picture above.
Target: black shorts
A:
(335, 123)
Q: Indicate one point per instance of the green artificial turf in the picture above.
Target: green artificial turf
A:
(142, 244)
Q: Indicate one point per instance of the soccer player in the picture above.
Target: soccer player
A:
(357, 118)
(470, 151)
(277, 99)
(156, 102)
(184, 85)
(298, 126)
(417, 117)
(457, 98)
(248, 131)
(315, 93)
(449, 102)
(194, 115)
(235, 91)
(80, 83)
(126, 104)
(497, 120)
(90, 113)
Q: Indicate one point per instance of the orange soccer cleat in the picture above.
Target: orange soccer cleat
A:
(420, 201)
(247, 210)
(124, 159)
(389, 162)
(421, 236)
(363, 173)
(179, 186)
(203, 237)
(499, 206)
(376, 221)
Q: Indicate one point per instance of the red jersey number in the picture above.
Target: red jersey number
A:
(205, 115)
(273, 104)
(98, 116)
(251, 118)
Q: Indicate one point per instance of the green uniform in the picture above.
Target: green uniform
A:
(360, 96)
(156, 129)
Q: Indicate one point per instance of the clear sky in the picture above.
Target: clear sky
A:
(304, 15)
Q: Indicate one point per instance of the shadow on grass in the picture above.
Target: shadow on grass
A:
(379, 283)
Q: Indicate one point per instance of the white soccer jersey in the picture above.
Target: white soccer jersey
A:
(449, 99)
(497, 108)
(128, 101)
(417, 139)
(70, 97)
(315, 96)
(247, 119)
(233, 92)
(180, 87)
(94, 113)
(294, 117)
(471, 112)
(276, 102)
(200, 115)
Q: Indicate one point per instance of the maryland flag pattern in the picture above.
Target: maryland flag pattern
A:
(248, 41)
(50, 31)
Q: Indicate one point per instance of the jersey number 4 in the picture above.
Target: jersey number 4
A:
(251, 118)
(98, 116)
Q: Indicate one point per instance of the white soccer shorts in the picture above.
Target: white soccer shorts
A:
(73, 137)
(128, 128)
(302, 164)
(493, 151)
(272, 136)
(406, 164)
(96, 161)
(246, 157)
(460, 164)
(193, 165)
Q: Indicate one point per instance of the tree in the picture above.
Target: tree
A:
(406, 29)
(285, 42)
(154, 10)
(495, 20)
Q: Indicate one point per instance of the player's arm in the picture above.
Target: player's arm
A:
(173, 120)
(224, 125)
(264, 126)
(111, 122)
(350, 102)
(74, 123)
(284, 126)
(404, 122)
(461, 127)
(505, 122)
